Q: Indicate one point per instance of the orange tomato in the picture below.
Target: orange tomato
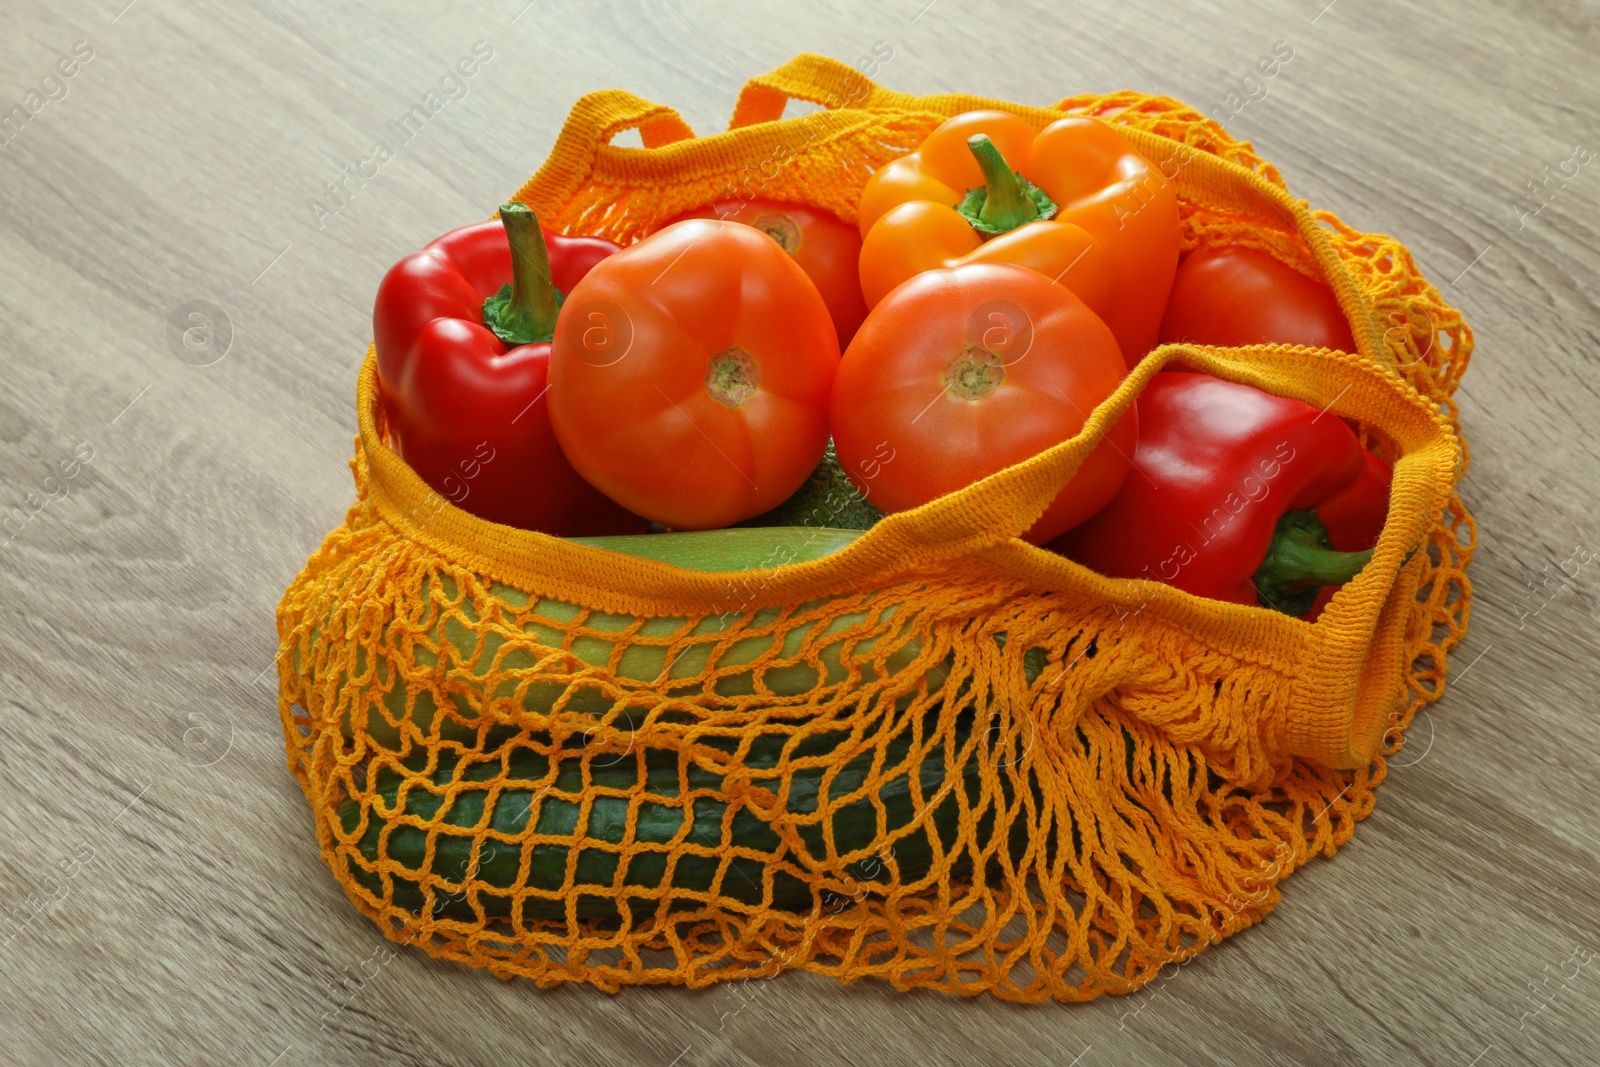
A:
(1237, 296)
(689, 379)
(826, 247)
(958, 374)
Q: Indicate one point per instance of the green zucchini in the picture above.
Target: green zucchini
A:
(732, 549)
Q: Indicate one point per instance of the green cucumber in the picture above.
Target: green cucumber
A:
(828, 499)
(553, 804)
(902, 842)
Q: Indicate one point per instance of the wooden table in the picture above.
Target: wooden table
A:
(173, 906)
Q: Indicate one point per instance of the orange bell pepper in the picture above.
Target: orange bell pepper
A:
(1074, 202)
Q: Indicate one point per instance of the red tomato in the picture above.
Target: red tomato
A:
(690, 373)
(826, 247)
(1238, 296)
(960, 373)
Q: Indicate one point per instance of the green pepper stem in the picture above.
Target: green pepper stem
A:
(524, 312)
(1299, 562)
(1006, 204)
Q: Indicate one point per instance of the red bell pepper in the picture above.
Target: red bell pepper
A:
(463, 333)
(1238, 495)
(1354, 516)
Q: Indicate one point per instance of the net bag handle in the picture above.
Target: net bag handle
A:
(817, 79)
(598, 117)
(1005, 504)
(594, 121)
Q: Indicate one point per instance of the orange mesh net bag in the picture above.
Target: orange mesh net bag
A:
(939, 756)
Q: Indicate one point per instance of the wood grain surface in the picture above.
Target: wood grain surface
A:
(166, 901)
